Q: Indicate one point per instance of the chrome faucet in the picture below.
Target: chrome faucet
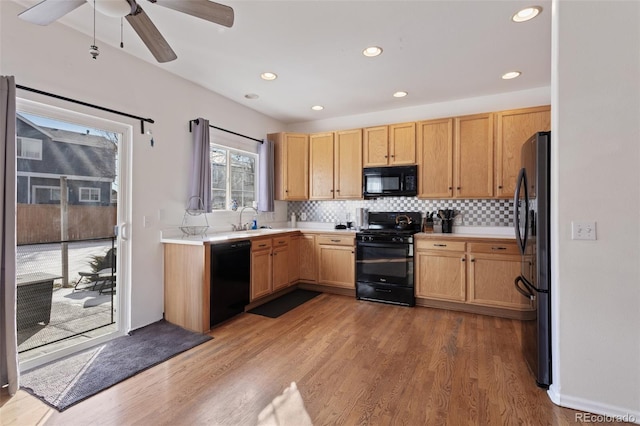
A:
(240, 226)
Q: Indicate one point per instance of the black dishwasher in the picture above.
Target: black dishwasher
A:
(230, 279)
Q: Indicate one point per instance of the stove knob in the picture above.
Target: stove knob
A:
(397, 239)
(369, 238)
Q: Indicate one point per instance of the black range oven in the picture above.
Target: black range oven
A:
(384, 258)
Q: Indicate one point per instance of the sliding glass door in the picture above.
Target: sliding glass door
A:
(71, 192)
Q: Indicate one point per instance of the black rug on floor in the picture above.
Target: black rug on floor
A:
(67, 381)
(284, 304)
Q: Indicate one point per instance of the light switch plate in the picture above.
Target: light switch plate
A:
(583, 230)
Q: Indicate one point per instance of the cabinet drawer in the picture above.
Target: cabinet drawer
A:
(261, 244)
(335, 240)
(281, 241)
(495, 248)
(440, 245)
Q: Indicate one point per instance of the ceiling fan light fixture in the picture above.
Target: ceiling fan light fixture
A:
(400, 94)
(372, 51)
(317, 107)
(113, 8)
(526, 14)
(511, 75)
(269, 76)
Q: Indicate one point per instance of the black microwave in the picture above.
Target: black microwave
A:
(392, 181)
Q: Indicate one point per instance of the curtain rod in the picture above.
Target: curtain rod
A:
(40, 92)
(224, 130)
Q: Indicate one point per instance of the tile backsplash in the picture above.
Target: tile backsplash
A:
(472, 212)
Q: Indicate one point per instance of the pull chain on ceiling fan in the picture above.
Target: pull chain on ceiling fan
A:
(48, 11)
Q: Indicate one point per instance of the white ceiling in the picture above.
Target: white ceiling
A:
(435, 50)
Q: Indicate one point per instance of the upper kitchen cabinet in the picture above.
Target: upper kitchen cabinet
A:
(473, 147)
(392, 145)
(336, 165)
(513, 128)
(435, 158)
(291, 165)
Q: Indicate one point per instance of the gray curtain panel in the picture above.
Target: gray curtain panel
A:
(200, 185)
(9, 373)
(265, 177)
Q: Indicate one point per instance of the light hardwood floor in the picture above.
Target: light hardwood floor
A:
(355, 363)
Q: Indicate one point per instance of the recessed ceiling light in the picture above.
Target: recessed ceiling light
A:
(526, 14)
(400, 94)
(511, 74)
(251, 96)
(268, 76)
(317, 107)
(372, 51)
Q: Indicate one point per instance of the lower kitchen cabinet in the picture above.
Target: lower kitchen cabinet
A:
(269, 266)
(441, 275)
(469, 276)
(307, 259)
(336, 261)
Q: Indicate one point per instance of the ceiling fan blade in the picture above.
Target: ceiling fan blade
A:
(151, 37)
(203, 9)
(49, 11)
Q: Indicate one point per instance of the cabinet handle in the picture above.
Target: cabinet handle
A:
(337, 190)
(262, 245)
(439, 245)
(458, 188)
(462, 260)
(473, 260)
(499, 186)
(498, 248)
(450, 188)
(393, 156)
(332, 190)
(335, 241)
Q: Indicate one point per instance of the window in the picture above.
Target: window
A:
(45, 194)
(89, 195)
(233, 177)
(29, 148)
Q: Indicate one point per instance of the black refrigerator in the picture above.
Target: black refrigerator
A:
(532, 225)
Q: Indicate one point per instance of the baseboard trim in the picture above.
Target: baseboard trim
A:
(592, 411)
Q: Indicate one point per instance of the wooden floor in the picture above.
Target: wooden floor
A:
(355, 363)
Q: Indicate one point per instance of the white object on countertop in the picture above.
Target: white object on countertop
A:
(293, 220)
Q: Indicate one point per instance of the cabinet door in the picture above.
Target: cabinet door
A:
(321, 154)
(260, 273)
(308, 259)
(441, 275)
(291, 165)
(336, 266)
(435, 158)
(348, 164)
(473, 169)
(376, 146)
(513, 129)
(294, 258)
(402, 144)
(280, 267)
(491, 281)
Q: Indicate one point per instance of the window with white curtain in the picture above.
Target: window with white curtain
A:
(233, 177)
(29, 148)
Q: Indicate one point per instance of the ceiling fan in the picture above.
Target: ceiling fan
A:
(48, 11)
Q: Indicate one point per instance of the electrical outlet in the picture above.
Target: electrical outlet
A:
(303, 216)
(583, 230)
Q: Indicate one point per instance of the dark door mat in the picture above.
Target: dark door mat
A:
(284, 304)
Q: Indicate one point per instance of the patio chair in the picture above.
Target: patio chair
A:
(104, 278)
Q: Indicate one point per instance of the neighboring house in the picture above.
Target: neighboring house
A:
(45, 154)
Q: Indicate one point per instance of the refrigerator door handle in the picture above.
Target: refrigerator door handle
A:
(526, 291)
(521, 181)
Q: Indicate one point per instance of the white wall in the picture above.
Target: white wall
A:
(596, 175)
(56, 59)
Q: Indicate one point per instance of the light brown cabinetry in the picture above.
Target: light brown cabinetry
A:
(473, 153)
(291, 165)
(335, 165)
(187, 278)
(269, 265)
(492, 270)
(513, 128)
(307, 258)
(435, 158)
(469, 276)
(392, 145)
(336, 261)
